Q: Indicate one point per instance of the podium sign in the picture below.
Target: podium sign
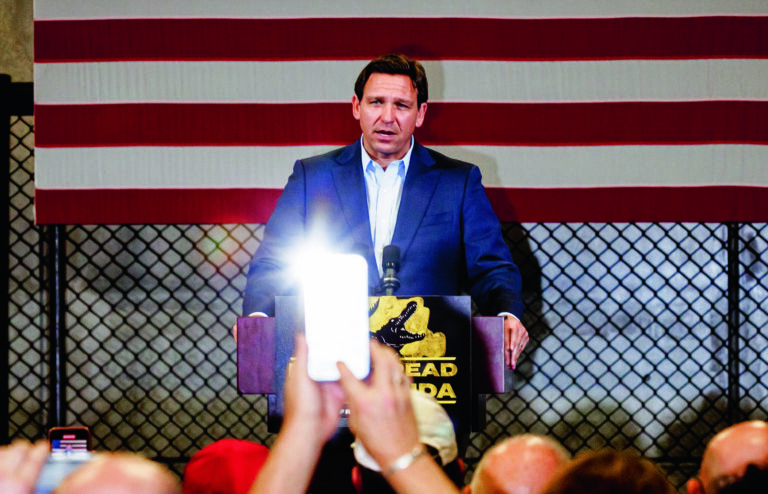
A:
(432, 336)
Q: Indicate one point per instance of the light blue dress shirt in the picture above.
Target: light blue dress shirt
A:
(384, 188)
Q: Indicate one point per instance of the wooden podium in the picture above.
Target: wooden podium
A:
(456, 358)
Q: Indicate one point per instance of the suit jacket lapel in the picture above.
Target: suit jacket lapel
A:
(418, 189)
(350, 188)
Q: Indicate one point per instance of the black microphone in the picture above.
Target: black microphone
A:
(391, 263)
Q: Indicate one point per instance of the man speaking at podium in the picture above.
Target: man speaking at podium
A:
(387, 189)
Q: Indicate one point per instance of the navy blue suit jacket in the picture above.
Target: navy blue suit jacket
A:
(449, 237)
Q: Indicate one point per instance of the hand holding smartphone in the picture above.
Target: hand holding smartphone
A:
(70, 450)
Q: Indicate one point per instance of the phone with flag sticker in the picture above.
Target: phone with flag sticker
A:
(66, 440)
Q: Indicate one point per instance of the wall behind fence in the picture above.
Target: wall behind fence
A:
(643, 336)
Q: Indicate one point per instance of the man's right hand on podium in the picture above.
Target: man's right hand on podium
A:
(234, 326)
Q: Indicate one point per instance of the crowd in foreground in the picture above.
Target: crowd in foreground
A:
(404, 443)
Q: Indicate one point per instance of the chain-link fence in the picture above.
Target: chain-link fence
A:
(632, 343)
(643, 336)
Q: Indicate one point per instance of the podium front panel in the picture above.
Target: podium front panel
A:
(432, 335)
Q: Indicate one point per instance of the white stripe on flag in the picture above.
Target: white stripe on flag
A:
(101, 9)
(332, 81)
(513, 166)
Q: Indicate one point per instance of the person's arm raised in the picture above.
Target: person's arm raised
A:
(381, 416)
(311, 417)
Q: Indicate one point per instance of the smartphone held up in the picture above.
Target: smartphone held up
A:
(335, 299)
(70, 450)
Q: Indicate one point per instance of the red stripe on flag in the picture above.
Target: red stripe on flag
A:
(127, 206)
(160, 124)
(193, 124)
(422, 38)
(623, 204)
(620, 204)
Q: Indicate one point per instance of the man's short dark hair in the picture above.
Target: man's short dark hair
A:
(607, 472)
(395, 64)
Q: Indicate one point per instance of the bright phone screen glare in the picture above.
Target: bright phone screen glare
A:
(335, 293)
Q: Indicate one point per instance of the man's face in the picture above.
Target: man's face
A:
(388, 115)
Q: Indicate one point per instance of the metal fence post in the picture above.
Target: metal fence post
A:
(734, 321)
(56, 259)
(5, 111)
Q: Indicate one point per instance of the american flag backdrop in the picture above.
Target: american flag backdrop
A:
(193, 111)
